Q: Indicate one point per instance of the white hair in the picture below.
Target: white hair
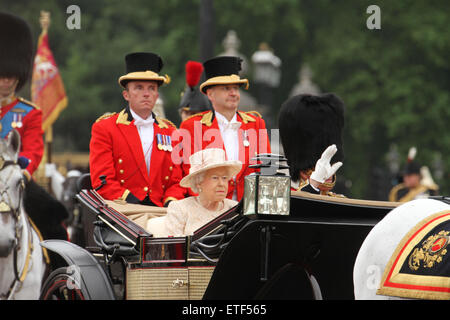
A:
(198, 179)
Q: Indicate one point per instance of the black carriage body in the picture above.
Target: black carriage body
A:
(307, 255)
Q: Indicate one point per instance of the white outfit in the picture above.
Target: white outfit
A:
(187, 215)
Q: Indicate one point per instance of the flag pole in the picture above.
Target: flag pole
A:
(45, 24)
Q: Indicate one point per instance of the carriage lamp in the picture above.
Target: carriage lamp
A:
(267, 192)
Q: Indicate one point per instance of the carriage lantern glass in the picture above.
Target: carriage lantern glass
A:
(267, 192)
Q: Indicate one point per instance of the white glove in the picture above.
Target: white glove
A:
(323, 169)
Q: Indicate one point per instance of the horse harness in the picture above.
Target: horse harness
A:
(5, 208)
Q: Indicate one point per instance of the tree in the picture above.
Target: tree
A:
(394, 80)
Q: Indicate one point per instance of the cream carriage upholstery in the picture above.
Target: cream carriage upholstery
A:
(148, 217)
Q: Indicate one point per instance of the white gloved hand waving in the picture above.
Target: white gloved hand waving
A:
(323, 169)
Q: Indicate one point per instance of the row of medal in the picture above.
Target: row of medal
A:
(164, 142)
(17, 120)
(16, 123)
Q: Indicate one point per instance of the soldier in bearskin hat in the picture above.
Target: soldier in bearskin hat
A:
(16, 58)
(417, 182)
(311, 135)
(133, 148)
(192, 100)
(240, 134)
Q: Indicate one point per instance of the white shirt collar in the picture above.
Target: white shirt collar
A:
(225, 124)
(138, 121)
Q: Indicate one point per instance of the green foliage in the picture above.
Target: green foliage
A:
(394, 81)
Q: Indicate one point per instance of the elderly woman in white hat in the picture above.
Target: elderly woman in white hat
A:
(208, 176)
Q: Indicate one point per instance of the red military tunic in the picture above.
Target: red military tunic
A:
(116, 151)
(202, 131)
(26, 118)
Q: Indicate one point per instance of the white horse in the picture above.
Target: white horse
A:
(382, 241)
(22, 263)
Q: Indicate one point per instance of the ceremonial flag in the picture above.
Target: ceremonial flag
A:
(47, 88)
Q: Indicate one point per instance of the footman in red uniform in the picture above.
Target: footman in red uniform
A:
(241, 134)
(133, 148)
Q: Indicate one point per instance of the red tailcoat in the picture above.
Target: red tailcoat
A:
(202, 131)
(116, 151)
(26, 118)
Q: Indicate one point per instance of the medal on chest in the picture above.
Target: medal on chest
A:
(164, 142)
(245, 138)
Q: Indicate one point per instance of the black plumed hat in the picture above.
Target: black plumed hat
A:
(192, 99)
(412, 167)
(16, 49)
(308, 124)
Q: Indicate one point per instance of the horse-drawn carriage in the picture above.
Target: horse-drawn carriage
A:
(309, 247)
(308, 254)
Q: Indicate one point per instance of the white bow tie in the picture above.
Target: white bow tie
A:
(144, 123)
(231, 125)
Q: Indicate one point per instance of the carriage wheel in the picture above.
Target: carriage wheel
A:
(60, 285)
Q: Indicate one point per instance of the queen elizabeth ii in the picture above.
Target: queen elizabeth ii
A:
(208, 176)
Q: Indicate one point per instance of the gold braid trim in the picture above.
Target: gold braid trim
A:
(325, 187)
(105, 116)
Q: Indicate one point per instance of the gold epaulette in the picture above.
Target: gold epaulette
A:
(28, 102)
(163, 123)
(245, 117)
(255, 113)
(105, 116)
(194, 115)
(207, 118)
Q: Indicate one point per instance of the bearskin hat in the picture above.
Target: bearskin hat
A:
(308, 124)
(193, 99)
(16, 51)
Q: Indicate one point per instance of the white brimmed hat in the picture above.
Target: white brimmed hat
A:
(207, 159)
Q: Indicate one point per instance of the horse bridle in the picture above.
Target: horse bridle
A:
(5, 208)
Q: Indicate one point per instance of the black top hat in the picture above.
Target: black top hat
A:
(308, 124)
(16, 49)
(143, 61)
(222, 70)
(143, 66)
